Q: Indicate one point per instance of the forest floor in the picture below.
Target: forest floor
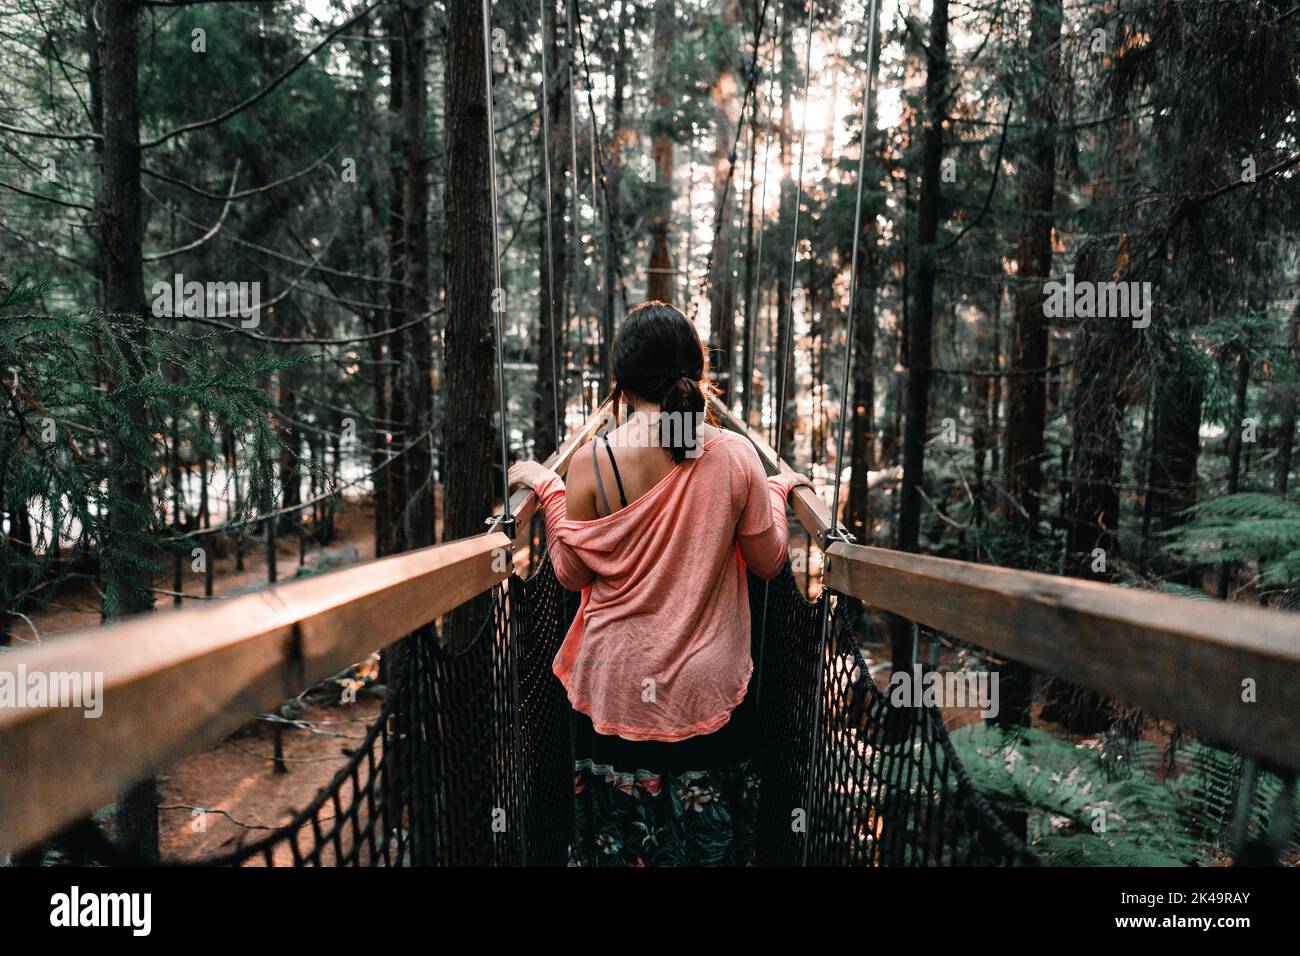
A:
(236, 781)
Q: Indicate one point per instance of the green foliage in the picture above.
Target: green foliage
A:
(1067, 791)
(1095, 807)
(1249, 526)
(1006, 544)
(1099, 807)
(69, 436)
(243, 55)
(1217, 775)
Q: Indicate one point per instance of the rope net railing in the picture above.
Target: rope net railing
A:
(469, 761)
(885, 787)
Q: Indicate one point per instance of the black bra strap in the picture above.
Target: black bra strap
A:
(617, 477)
(600, 483)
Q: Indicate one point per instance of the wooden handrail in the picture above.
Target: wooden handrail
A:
(1176, 657)
(176, 681)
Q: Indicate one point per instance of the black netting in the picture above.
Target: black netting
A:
(886, 787)
(438, 780)
(448, 776)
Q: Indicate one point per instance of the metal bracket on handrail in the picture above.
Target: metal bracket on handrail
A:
(503, 523)
(832, 535)
(829, 537)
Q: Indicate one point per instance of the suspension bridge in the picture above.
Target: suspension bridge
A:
(469, 761)
(473, 735)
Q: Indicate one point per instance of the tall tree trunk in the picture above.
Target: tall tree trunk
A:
(749, 331)
(6, 585)
(660, 283)
(174, 469)
(378, 435)
(1097, 416)
(371, 221)
(613, 153)
(120, 234)
(416, 370)
(398, 271)
(291, 449)
(468, 435)
(1234, 450)
(982, 436)
(1104, 352)
(921, 320)
(1176, 443)
(783, 369)
(722, 293)
(1026, 385)
(863, 314)
(1287, 421)
(552, 243)
(1026, 389)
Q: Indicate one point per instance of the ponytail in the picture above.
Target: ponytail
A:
(658, 357)
(681, 410)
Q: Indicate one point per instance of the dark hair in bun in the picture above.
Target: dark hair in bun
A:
(658, 358)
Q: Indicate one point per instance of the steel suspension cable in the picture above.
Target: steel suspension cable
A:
(498, 318)
(835, 532)
(601, 291)
(784, 355)
(498, 323)
(571, 49)
(767, 146)
(853, 266)
(613, 260)
(750, 86)
(762, 225)
(549, 246)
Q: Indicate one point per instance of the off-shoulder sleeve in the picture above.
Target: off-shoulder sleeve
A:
(570, 569)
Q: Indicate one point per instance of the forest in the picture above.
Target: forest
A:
(286, 284)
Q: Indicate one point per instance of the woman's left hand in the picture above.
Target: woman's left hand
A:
(527, 473)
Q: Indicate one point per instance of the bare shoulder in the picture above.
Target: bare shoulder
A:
(580, 486)
(579, 473)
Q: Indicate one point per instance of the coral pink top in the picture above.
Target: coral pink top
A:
(660, 647)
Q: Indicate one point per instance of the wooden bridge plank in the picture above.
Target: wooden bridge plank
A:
(1175, 657)
(176, 681)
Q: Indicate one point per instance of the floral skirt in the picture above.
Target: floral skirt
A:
(649, 803)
